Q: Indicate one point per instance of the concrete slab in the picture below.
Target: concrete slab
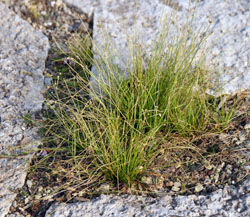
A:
(228, 46)
(85, 6)
(222, 202)
(23, 51)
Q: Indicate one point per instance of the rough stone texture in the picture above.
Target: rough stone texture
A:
(230, 201)
(86, 6)
(89, 6)
(22, 60)
(228, 45)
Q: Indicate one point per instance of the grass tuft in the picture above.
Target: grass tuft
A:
(118, 135)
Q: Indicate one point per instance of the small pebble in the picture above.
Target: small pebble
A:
(40, 188)
(14, 204)
(176, 187)
(43, 13)
(26, 201)
(104, 188)
(29, 183)
(147, 180)
(48, 23)
(247, 127)
(198, 187)
(177, 184)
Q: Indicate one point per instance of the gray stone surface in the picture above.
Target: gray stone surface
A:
(86, 6)
(228, 46)
(89, 6)
(22, 60)
(230, 202)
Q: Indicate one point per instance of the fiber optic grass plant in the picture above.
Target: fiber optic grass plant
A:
(120, 133)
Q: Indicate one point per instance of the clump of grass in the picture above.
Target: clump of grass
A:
(120, 133)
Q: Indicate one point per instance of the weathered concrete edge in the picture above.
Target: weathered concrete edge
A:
(21, 164)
